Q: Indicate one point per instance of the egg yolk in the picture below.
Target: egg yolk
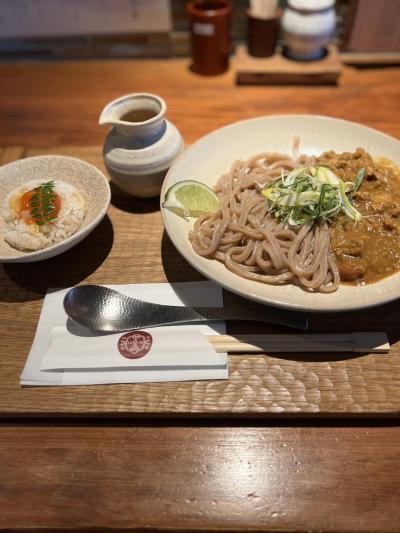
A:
(25, 211)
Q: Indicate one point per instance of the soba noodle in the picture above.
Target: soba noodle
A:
(252, 242)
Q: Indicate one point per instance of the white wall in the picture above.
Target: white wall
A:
(47, 18)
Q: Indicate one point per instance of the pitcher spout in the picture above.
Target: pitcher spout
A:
(106, 119)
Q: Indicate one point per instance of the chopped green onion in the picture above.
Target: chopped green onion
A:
(307, 194)
(358, 181)
(348, 209)
(325, 175)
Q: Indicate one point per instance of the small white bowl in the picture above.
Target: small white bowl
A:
(86, 178)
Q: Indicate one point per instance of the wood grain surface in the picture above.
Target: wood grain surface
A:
(130, 245)
(49, 104)
(213, 475)
(199, 479)
(44, 104)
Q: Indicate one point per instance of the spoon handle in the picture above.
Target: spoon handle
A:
(247, 312)
(165, 315)
(104, 309)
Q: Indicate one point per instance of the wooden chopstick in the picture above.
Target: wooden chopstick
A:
(357, 342)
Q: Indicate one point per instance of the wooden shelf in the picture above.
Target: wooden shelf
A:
(279, 70)
(370, 58)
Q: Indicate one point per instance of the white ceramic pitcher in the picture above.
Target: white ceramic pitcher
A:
(141, 145)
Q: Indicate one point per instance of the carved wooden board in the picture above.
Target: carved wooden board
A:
(130, 246)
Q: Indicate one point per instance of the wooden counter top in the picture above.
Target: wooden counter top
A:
(49, 104)
(182, 475)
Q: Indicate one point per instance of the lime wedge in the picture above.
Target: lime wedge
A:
(190, 198)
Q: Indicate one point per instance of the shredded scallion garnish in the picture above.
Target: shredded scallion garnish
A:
(358, 181)
(310, 193)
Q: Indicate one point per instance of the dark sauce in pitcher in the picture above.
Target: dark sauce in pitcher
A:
(138, 115)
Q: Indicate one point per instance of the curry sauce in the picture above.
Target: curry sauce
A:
(369, 250)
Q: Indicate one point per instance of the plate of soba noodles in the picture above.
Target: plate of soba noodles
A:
(305, 211)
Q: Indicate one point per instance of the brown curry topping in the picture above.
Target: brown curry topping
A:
(370, 249)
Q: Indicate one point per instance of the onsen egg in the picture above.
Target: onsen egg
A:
(25, 231)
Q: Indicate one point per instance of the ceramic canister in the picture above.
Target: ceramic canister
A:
(262, 34)
(307, 26)
(210, 35)
(141, 144)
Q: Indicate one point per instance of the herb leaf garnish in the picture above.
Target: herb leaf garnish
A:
(43, 208)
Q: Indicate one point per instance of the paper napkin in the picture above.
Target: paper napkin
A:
(64, 353)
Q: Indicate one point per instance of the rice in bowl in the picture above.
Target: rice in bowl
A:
(23, 233)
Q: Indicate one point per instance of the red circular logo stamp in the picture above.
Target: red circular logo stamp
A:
(135, 344)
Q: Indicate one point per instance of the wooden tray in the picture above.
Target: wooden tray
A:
(279, 70)
(130, 246)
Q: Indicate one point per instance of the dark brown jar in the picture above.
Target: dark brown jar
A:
(210, 35)
(262, 35)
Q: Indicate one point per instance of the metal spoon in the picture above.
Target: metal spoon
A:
(102, 309)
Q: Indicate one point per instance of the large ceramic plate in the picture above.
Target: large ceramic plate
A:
(213, 155)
